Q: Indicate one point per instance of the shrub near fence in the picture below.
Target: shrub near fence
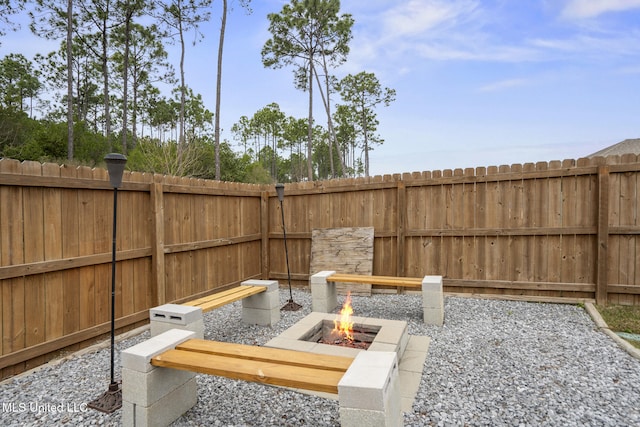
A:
(564, 231)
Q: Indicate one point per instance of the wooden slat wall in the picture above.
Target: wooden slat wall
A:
(514, 230)
(55, 255)
(532, 230)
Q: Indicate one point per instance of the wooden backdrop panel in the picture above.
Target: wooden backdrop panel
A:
(344, 250)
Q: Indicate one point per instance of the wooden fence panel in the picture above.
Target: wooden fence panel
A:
(529, 230)
(623, 247)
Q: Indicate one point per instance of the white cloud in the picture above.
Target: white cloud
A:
(393, 35)
(581, 9)
(619, 44)
(504, 84)
(417, 17)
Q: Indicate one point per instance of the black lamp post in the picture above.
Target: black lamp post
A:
(289, 306)
(111, 400)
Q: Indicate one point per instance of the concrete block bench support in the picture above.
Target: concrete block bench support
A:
(175, 316)
(153, 396)
(324, 296)
(260, 308)
(263, 308)
(325, 300)
(369, 393)
(432, 300)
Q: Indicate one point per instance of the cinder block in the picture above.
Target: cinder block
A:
(263, 300)
(146, 388)
(433, 316)
(432, 283)
(175, 313)
(352, 417)
(324, 296)
(138, 357)
(175, 316)
(159, 327)
(321, 276)
(256, 316)
(368, 381)
(361, 417)
(153, 396)
(369, 391)
(272, 285)
(433, 300)
(165, 411)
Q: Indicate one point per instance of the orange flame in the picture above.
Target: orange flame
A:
(345, 326)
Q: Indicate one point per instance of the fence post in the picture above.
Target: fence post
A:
(401, 203)
(158, 292)
(264, 230)
(603, 234)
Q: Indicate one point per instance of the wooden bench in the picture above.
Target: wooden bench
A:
(287, 368)
(159, 384)
(324, 296)
(260, 306)
(405, 282)
(213, 301)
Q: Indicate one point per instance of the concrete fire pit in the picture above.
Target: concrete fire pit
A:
(390, 335)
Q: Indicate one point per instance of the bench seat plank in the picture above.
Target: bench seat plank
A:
(264, 354)
(251, 370)
(213, 301)
(407, 282)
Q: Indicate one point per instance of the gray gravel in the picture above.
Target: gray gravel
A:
(494, 363)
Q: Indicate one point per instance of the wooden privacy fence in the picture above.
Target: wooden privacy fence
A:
(560, 230)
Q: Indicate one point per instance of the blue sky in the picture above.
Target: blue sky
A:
(479, 82)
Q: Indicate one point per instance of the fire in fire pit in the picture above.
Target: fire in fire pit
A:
(344, 332)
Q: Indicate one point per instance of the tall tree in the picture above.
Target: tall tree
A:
(362, 93)
(180, 17)
(70, 142)
(147, 65)
(300, 34)
(97, 17)
(18, 82)
(223, 27)
(268, 123)
(294, 135)
(128, 9)
(55, 19)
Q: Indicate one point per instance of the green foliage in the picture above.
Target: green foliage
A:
(18, 81)
(114, 65)
(255, 173)
(15, 128)
(23, 138)
(362, 93)
(307, 34)
(8, 8)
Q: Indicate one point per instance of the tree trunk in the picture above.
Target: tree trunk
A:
(105, 76)
(365, 131)
(125, 78)
(181, 139)
(69, 80)
(223, 26)
(310, 127)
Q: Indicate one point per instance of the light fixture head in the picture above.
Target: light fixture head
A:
(280, 191)
(115, 165)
